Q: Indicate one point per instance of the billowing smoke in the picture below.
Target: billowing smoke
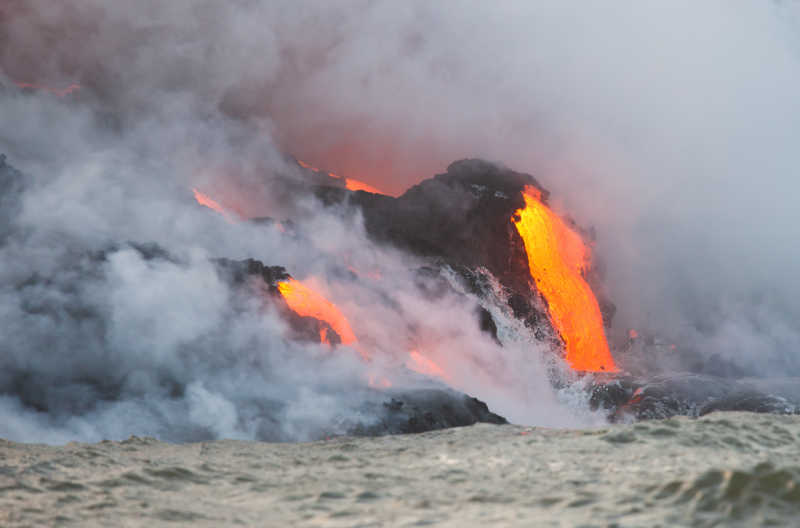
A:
(670, 129)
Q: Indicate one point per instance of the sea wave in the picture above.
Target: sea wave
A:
(723, 469)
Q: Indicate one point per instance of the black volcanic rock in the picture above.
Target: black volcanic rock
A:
(462, 216)
(688, 394)
(462, 219)
(238, 271)
(420, 410)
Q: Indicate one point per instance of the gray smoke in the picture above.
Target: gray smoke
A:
(671, 129)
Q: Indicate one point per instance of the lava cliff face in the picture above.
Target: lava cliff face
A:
(461, 217)
(464, 219)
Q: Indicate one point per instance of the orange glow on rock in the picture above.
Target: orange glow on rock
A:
(558, 257)
(63, 92)
(204, 199)
(355, 185)
(379, 383)
(305, 302)
(349, 183)
(307, 166)
(423, 365)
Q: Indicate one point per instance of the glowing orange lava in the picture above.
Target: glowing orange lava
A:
(355, 185)
(307, 166)
(307, 303)
(231, 215)
(423, 365)
(349, 183)
(558, 257)
(204, 199)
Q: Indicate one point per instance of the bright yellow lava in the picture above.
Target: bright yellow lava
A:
(558, 257)
(307, 303)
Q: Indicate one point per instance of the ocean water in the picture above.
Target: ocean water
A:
(723, 469)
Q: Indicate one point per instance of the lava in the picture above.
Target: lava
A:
(204, 199)
(229, 214)
(307, 166)
(355, 185)
(350, 183)
(307, 303)
(558, 258)
(423, 365)
(63, 92)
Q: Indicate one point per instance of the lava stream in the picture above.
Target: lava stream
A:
(207, 201)
(204, 199)
(557, 257)
(349, 183)
(307, 303)
(355, 185)
(423, 365)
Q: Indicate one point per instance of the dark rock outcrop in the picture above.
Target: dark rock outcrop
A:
(417, 411)
(685, 394)
(461, 217)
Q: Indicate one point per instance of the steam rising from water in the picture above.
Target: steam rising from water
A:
(672, 129)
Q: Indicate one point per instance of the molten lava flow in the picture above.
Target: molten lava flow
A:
(207, 201)
(307, 303)
(307, 166)
(63, 92)
(349, 183)
(355, 185)
(423, 365)
(557, 257)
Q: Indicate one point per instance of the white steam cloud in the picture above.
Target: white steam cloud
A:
(672, 129)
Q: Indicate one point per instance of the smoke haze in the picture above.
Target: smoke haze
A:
(671, 129)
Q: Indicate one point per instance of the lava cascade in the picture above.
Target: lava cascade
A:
(558, 258)
(305, 302)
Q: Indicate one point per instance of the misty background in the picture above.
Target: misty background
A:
(672, 129)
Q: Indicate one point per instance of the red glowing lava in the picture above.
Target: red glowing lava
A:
(349, 183)
(558, 258)
(58, 92)
(423, 365)
(231, 214)
(204, 199)
(355, 185)
(305, 302)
